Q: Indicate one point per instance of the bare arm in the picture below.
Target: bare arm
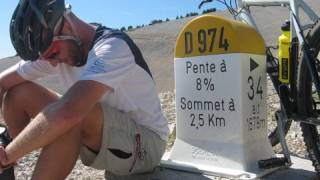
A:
(56, 119)
(8, 79)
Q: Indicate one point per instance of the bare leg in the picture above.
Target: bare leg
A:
(57, 159)
(24, 102)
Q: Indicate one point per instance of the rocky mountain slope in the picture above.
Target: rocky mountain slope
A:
(157, 44)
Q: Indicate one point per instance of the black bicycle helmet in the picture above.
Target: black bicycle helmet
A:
(32, 26)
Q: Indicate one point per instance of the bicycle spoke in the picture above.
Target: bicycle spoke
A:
(318, 64)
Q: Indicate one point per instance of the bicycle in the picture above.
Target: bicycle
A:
(300, 96)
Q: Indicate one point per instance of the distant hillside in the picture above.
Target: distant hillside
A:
(157, 42)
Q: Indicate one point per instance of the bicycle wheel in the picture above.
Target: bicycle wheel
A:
(308, 100)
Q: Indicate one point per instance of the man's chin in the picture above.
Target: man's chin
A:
(71, 62)
(80, 62)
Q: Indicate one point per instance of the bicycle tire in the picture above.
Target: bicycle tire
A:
(306, 102)
(273, 136)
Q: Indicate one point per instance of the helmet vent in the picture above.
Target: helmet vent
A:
(30, 44)
(51, 2)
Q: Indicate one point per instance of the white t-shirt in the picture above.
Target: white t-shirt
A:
(111, 62)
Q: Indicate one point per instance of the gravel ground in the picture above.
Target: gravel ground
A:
(294, 137)
(26, 165)
(295, 142)
(152, 41)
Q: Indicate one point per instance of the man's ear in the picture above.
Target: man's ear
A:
(70, 20)
(66, 29)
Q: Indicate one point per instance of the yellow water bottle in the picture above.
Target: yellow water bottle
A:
(284, 53)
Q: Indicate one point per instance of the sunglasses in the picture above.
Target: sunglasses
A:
(52, 51)
(55, 46)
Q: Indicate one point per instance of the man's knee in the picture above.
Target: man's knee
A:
(13, 110)
(16, 95)
(28, 96)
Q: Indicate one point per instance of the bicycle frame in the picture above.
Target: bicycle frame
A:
(298, 39)
(296, 29)
(295, 5)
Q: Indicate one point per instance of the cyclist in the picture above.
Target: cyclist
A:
(110, 114)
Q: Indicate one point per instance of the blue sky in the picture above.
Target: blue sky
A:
(110, 13)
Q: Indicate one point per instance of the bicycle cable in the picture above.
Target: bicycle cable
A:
(308, 50)
(230, 7)
(300, 28)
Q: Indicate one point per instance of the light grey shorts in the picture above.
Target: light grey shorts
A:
(126, 147)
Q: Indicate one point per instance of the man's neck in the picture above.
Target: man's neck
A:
(84, 31)
(86, 34)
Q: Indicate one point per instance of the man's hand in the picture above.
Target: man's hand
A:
(3, 159)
